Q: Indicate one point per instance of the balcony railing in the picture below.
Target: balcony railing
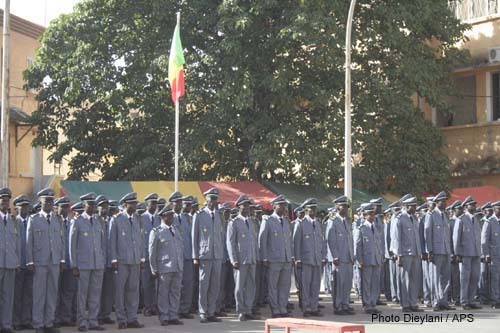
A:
(468, 10)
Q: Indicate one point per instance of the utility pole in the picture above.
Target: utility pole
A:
(4, 162)
(347, 134)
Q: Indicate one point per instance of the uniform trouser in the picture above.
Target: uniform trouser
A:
(89, 295)
(311, 285)
(169, 292)
(107, 294)
(328, 277)
(23, 298)
(394, 277)
(370, 284)
(410, 276)
(357, 279)
(244, 290)
(426, 282)
(494, 292)
(455, 282)
(187, 287)
(45, 283)
(469, 278)
(484, 283)
(196, 287)
(66, 299)
(264, 289)
(279, 281)
(209, 286)
(148, 288)
(127, 292)
(7, 284)
(259, 271)
(440, 275)
(385, 280)
(343, 274)
(226, 270)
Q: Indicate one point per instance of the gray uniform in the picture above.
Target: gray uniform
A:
(183, 223)
(166, 259)
(126, 241)
(426, 276)
(340, 246)
(108, 285)
(207, 233)
(309, 249)
(87, 253)
(393, 266)
(260, 270)
(368, 251)
(407, 246)
(241, 247)
(437, 242)
(275, 246)
(355, 269)
(45, 249)
(148, 283)
(68, 284)
(484, 283)
(490, 246)
(23, 294)
(467, 245)
(10, 243)
(454, 267)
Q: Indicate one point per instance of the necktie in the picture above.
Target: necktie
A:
(179, 218)
(314, 224)
(152, 221)
(65, 221)
(48, 218)
(91, 221)
(345, 227)
(281, 220)
(213, 216)
(130, 220)
(5, 220)
(373, 230)
(246, 222)
(171, 231)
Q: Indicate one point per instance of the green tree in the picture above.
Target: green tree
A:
(264, 95)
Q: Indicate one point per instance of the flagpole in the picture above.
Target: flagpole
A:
(176, 154)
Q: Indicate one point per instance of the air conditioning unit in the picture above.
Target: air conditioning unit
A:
(494, 54)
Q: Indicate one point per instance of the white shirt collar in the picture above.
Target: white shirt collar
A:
(42, 212)
(86, 216)
(2, 215)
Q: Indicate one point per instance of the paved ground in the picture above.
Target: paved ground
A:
(485, 320)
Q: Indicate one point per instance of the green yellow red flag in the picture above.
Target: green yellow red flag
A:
(175, 66)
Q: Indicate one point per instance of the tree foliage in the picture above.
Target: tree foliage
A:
(264, 90)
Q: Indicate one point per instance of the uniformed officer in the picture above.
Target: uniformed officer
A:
(241, 247)
(437, 242)
(309, 254)
(467, 249)
(45, 255)
(207, 254)
(23, 294)
(408, 251)
(226, 291)
(160, 204)
(395, 208)
(87, 256)
(260, 270)
(149, 220)
(368, 252)
(299, 215)
(105, 209)
(275, 246)
(426, 281)
(484, 283)
(341, 250)
(490, 250)
(127, 259)
(10, 253)
(166, 259)
(36, 208)
(454, 208)
(77, 209)
(68, 284)
(183, 223)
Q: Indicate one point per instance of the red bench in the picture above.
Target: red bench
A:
(313, 325)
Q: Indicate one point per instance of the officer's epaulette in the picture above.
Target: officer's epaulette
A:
(399, 213)
(156, 229)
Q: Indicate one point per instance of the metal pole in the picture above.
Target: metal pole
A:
(176, 153)
(347, 148)
(4, 163)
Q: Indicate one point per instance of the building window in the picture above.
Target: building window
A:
(495, 96)
(467, 10)
(462, 105)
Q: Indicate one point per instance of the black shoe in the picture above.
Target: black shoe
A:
(82, 329)
(496, 306)
(52, 330)
(306, 314)
(290, 306)
(340, 312)
(175, 322)
(466, 307)
(242, 317)
(275, 315)
(148, 313)
(164, 323)
(122, 326)
(369, 311)
(7, 330)
(381, 303)
(475, 307)
(447, 307)
(107, 320)
(436, 308)
(186, 315)
(316, 314)
(203, 320)
(221, 314)
(39, 330)
(416, 309)
(395, 301)
(135, 324)
(406, 310)
(214, 319)
(57, 325)
(97, 328)
(321, 306)
(254, 312)
(285, 315)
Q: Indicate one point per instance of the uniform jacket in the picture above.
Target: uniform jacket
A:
(87, 246)
(368, 244)
(406, 236)
(275, 239)
(166, 250)
(148, 221)
(308, 244)
(241, 241)
(437, 233)
(10, 243)
(183, 223)
(22, 227)
(467, 236)
(207, 233)
(45, 242)
(490, 238)
(126, 239)
(339, 240)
